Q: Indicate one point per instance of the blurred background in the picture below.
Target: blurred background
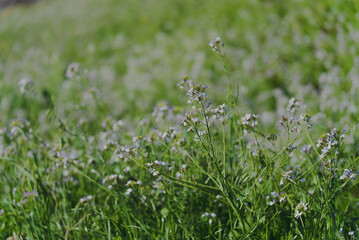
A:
(7, 3)
(132, 54)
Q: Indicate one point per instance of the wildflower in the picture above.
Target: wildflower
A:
(179, 175)
(282, 197)
(127, 169)
(286, 176)
(216, 44)
(209, 215)
(219, 196)
(299, 210)
(348, 174)
(161, 163)
(117, 125)
(206, 214)
(271, 137)
(72, 70)
(281, 182)
(293, 105)
(185, 83)
(271, 203)
(289, 149)
(250, 120)
(183, 167)
(25, 85)
(330, 141)
(306, 149)
(162, 111)
(351, 233)
(169, 135)
(128, 191)
(197, 94)
(86, 199)
(274, 194)
(306, 118)
(153, 172)
(30, 194)
(221, 112)
(129, 182)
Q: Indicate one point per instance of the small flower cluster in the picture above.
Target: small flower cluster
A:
(183, 169)
(291, 124)
(178, 145)
(221, 113)
(19, 128)
(209, 216)
(26, 85)
(112, 180)
(191, 121)
(131, 184)
(86, 199)
(289, 149)
(197, 94)
(112, 125)
(348, 174)
(249, 122)
(169, 135)
(202, 115)
(274, 197)
(293, 105)
(162, 111)
(153, 167)
(285, 176)
(300, 209)
(330, 167)
(271, 137)
(185, 83)
(72, 70)
(206, 214)
(66, 158)
(128, 191)
(30, 194)
(330, 141)
(306, 119)
(217, 44)
(285, 121)
(125, 152)
(307, 149)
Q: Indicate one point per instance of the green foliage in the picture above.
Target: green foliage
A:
(97, 142)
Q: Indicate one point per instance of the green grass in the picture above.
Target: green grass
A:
(116, 151)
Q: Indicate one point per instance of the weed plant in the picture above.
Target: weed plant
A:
(201, 171)
(82, 157)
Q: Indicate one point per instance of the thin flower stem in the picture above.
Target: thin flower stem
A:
(224, 150)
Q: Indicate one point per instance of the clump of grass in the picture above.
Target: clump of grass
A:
(194, 171)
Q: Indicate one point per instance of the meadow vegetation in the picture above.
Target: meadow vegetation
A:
(179, 120)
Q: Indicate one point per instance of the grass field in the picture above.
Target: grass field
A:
(108, 129)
